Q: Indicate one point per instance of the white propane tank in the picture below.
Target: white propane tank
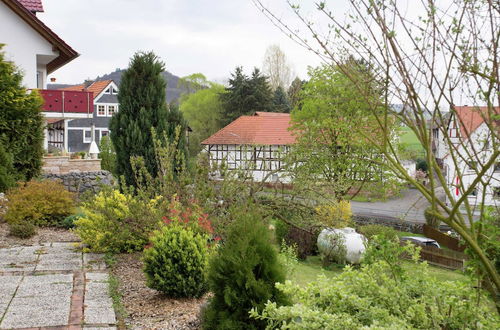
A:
(353, 242)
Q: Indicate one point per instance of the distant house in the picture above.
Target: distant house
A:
(38, 51)
(80, 132)
(255, 144)
(470, 135)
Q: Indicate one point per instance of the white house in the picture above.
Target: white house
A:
(38, 51)
(255, 144)
(474, 143)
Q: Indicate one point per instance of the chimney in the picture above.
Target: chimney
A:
(87, 83)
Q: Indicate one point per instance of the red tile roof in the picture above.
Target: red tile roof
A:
(32, 5)
(470, 118)
(96, 87)
(264, 128)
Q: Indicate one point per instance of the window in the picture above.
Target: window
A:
(114, 91)
(496, 192)
(108, 91)
(87, 136)
(101, 110)
(111, 110)
(104, 133)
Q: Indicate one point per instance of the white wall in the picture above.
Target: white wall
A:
(477, 139)
(22, 45)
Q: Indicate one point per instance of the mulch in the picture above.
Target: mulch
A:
(43, 235)
(147, 308)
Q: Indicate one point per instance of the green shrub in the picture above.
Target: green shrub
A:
(242, 275)
(175, 264)
(380, 296)
(43, 203)
(22, 229)
(107, 155)
(7, 171)
(116, 222)
(280, 230)
(69, 221)
(369, 231)
(422, 165)
(431, 219)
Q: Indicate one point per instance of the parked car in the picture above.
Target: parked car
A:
(423, 241)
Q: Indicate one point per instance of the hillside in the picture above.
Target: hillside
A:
(173, 93)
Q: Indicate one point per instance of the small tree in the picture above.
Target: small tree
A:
(142, 107)
(21, 121)
(242, 276)
(107, 155)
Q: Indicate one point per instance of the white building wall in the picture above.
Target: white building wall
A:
(481, 142)
(259, 162)
(22, 45)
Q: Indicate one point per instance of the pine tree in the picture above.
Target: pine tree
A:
(245, 95)
(281, 103)
(7, 171)
(142, 107)
(21, 122)
(242, 275)
(294, 92)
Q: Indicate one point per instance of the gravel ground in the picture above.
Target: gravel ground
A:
(145, 307)
(43, 235)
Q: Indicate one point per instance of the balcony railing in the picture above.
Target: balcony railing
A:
(67, 101)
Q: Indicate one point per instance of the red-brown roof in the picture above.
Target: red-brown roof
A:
(264, 128)
(32, 5)
(96, 87)
(66, 53)
(470, 118)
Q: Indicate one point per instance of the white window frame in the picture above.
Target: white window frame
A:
(100, 133)
(85, 140)
(105, 110)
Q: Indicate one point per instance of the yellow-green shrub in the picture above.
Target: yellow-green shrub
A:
(335, 215)
(43, 203)
(116, 222)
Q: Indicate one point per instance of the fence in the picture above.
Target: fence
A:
(443, 258)
(443, 239)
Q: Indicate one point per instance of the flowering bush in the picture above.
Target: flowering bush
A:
(191, 217)
(335, 215)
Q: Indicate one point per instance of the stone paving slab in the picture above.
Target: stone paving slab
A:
(46, 286)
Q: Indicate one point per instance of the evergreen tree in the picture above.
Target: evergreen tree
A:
(245, 95)
(7, 171)
(21, 122)
(281, 103)
(294, 92)
(242, 275)
(142, 107)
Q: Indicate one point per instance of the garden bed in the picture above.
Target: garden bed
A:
(147, 308)
(43, 235)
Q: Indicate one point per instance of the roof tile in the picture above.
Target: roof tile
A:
(32, 5)
(264, 128)
(470, 118)
(96, 87)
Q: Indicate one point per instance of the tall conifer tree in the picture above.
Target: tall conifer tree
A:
(142, 107)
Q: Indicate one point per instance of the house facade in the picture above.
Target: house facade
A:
(474, 145)
(255, 145)
(82, 131)
(38, 51)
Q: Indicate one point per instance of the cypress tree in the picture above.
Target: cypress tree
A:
(21, 122)
(142, 107)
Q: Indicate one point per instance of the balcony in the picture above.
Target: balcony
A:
(67, 104)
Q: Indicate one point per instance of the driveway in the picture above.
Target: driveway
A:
(410, 206)
(53, 285)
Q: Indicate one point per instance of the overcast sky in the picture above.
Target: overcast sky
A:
(207, 36)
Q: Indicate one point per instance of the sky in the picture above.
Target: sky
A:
(207, 36)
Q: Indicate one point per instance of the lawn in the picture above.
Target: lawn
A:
(309, 269)
(410, 141)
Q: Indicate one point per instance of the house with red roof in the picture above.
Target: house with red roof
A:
(81, 132)
(38, 51)
(474, 143)
(255, 144)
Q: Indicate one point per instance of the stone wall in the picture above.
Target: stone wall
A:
(64, 165)
(408, 226)
(80, 182)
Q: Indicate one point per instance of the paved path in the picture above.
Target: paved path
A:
(54, 286)
(410, 206)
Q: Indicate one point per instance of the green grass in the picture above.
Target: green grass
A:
(410, 141)
(308, 270)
